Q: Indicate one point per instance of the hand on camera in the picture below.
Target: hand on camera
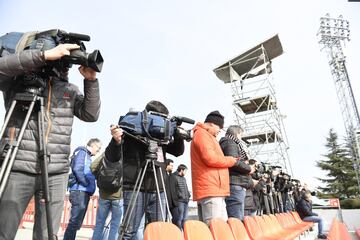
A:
(116, 133)
(88, 73)
(253, 169)
(59, 51)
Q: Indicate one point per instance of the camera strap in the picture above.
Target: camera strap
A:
(145, 123)
(25, 41)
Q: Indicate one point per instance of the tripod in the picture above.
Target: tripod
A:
(33, 99)
(151, 157)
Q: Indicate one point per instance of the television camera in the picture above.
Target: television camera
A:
(155, 126)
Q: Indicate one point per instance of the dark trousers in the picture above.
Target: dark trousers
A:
(20, 189)
(179, 214)
(79, 202)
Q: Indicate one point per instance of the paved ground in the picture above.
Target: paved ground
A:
(351, 219)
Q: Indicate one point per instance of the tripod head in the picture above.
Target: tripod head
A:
(151, 150)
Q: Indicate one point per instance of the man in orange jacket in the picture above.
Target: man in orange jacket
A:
(209, 168)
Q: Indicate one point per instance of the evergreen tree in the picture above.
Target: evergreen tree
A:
(341, 180)
(352, 156)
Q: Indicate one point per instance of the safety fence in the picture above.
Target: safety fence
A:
(89, 219)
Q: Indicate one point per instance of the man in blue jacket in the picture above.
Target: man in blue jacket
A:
(84, 187)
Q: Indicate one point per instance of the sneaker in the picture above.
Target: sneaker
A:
(322, 236)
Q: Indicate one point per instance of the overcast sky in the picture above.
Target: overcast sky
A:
(166, 50)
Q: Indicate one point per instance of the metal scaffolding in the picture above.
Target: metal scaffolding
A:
(333, 33)
(254, 102)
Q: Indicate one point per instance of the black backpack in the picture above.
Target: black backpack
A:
(109, 175)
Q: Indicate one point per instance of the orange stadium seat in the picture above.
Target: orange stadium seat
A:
(220, 229)
(162, 231)
(288, 223)
(294, 224)
(344, 233)
(238, 229)
(275, 227)
(338, 231)
(196, 230)
(299, 220)
(357, 231)
(253, 228)
(269, 232)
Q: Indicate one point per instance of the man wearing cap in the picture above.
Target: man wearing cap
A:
(209, 168)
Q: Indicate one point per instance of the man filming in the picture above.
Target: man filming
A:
(134, 157)
(62, 100)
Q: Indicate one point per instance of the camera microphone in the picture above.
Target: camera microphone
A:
(78, 36)
(184, 119)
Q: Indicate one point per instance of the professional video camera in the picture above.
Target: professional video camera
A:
(17, 41)
(155, 126)
(79, 56)
(262, 170)
(282, 182)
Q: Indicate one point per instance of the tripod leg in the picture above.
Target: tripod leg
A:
(8, 116)
(134, 196)
(166, 199)
(8, 163)
(44, 170)
(158, 192)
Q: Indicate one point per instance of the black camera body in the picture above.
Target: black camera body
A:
(79, 56)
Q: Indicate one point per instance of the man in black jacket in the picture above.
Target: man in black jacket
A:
(240, 179)
(304, 208)
(134, 158)
(181, 196)
(63, 101)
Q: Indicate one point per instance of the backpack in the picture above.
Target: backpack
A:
(13, 42)
(109, 175)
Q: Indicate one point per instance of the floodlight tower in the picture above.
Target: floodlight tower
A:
(254, 102)
(333, 33)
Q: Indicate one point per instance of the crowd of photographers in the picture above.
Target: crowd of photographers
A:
(134, 171)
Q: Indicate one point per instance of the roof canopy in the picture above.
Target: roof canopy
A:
(249, 60)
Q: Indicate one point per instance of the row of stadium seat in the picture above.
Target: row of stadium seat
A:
(267, 227)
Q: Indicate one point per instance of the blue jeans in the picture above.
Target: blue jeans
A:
(79, 202)
(145, 203)
(315, 219)
(106, 206)
(235, 203)
(179, 214)
(140, 231)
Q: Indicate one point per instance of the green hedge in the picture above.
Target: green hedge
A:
(350, 203)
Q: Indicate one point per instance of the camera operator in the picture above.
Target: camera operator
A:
(296, 190)
(285, 188)
(252, 200)
(134, 158)
(63, 100)
(240, 181)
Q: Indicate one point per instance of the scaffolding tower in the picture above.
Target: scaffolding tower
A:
(254, 102)
(333, 33)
